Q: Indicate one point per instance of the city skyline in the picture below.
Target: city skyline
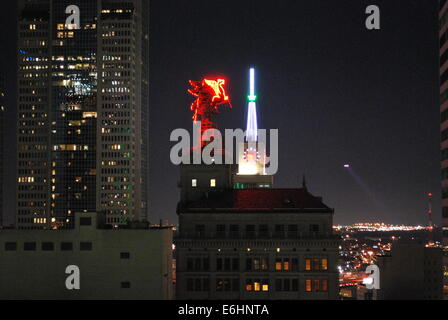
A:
(118, 177)
(334, 97)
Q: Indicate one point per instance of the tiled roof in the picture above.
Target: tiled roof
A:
(259, 199)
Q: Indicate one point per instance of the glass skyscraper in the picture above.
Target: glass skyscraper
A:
(83, 105)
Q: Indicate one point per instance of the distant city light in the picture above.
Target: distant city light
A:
(382, 227)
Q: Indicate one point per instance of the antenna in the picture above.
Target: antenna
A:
(430, 223)
(252, 125)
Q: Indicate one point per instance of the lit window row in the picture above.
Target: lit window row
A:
(70, 147)
(194, 183)
(316, 264)
(26, 179)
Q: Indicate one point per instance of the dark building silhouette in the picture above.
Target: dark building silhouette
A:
(411, 272)
(2, 144)
(82, 111)
(443, 22)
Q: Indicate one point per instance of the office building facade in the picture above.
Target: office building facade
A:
(133, 262)
(82, 111)
(257, 243)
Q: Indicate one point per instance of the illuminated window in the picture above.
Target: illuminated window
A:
(257, 285)
(308, 285)
(194, 183)
(325, 264)
(89, 115)
(265, 285)
(308, 264)
(278, 264)
(213, 183)
(286, 264)
(249, 285)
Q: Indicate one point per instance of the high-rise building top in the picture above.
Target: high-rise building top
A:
(254, 243)
(2, 143)
(82, 111)
(443, 36)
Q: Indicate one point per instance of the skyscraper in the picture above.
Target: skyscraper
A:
(82, 111)
(443, 23)
(2, 146)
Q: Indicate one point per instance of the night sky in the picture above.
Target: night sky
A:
(337, 92)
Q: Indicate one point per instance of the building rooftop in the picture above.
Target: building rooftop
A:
(288, 200)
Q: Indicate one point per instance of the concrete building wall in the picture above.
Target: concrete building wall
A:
(411, 272)
(121, 264)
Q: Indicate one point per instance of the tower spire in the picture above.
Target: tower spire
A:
(252, 125)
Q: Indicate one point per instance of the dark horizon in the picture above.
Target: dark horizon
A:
(337, 92)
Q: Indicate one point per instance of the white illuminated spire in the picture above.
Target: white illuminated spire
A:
(252, 126)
